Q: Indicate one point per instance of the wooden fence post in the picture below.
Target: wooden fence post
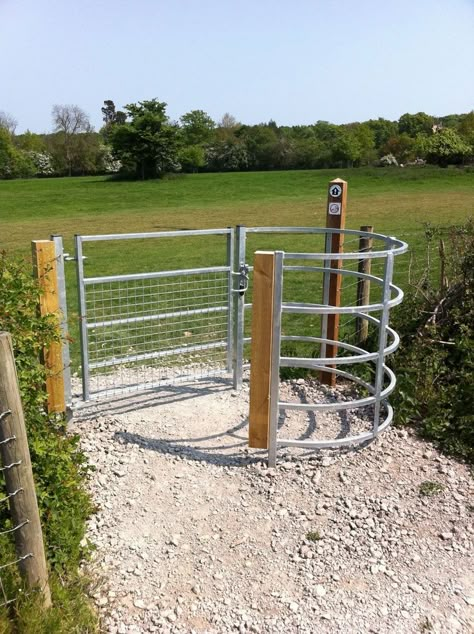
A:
(335, 219)
(363, 286)
(261, 348)
(18, 475)
(44, 269)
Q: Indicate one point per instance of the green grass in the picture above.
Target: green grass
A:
(395, 201)
(392, 200)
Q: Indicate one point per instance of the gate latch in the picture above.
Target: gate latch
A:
(243, 274)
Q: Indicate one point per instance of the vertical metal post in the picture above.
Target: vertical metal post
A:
(59, 249)
(239, 308)
(230, 299)
(275, 359)
(379, 375)
(82, 319)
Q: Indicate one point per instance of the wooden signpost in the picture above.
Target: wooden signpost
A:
(363, 286)
(335, 219)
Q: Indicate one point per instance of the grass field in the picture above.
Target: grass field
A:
(395, 201)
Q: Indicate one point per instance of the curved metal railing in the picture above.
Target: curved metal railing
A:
(385, 249)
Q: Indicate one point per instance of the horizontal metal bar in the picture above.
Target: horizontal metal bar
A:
(157, 234)
(396, 246)
(155, 355)
(352, 255)
(300, 308)
(325, 269)
(327, 407)
(362, 357)
(144, 318)
(151, 276)
(338, 442)
(335, 407)
(303, 308)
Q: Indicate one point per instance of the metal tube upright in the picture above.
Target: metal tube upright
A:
(275, 359)
(230, 299)
(379, 374)
(59, 250)
(239, 306)
(82, 319)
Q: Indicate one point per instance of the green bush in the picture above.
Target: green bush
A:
(435, 362)
(14, 163)
(59, 468)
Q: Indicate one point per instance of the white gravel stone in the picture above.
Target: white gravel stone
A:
(195, 534)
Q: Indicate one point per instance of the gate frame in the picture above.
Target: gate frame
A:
(83, 281)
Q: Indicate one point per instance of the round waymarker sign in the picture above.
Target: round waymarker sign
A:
(335, 191)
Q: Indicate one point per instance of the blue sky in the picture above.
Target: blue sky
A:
(293, 61)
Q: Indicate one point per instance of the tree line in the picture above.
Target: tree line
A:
(141, 141)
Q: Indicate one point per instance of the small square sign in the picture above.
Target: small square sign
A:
(334, 209)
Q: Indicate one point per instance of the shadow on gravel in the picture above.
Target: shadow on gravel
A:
(213, 450)
(164, 395)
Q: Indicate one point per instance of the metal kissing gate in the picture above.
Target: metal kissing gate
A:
(268, 410)
(173, 323)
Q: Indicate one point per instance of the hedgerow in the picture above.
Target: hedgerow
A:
(435, 362)
(59, 469)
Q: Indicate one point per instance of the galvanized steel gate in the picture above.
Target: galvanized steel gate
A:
(142, 330)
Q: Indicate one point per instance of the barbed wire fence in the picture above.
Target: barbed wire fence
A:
(27, 570)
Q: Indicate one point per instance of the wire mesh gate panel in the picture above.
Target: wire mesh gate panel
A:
(140, 330)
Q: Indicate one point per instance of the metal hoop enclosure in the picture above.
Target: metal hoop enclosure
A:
(384, 381)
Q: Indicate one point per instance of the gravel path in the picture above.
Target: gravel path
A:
(195, 534)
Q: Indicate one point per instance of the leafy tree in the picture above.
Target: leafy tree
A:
(227, 156)
(192, 158)
(445, 147)
(365, 137)
(466, 128)
(382, 129)
(69, 121)
(346, 149)
(260, 142)
(147, 144)
(414, 124)
(197, 127)
(30, 141)
(14, 163)
(110, 117)
(402, 146)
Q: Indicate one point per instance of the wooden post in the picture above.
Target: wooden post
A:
(261, 348)
(335, 219)
(19, 476)
(44, 268)
(443, 282)
(363, 286)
